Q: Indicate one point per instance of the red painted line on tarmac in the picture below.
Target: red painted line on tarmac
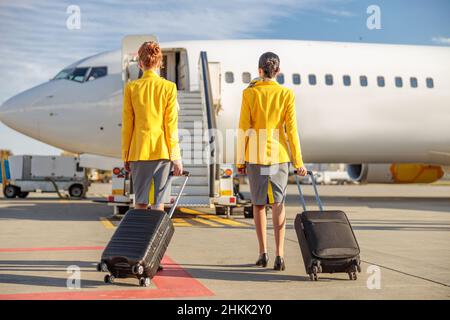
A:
(82, 248)
(172, 282)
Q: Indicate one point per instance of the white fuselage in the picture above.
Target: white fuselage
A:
(337, 123)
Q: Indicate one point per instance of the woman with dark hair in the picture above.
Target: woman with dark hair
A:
(267, 141)
(150, 129)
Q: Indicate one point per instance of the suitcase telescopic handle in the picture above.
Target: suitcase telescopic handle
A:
(186, 175)
(302, 198)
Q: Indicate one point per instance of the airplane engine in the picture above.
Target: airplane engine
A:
(395, 173)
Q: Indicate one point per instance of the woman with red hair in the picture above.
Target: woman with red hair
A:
(150, 129)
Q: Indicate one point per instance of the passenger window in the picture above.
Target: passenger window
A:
(413, 82)
(398, 82)
(229, 77)
(312, 79)
(430, 83)
(280, 78)
(347, 80)
(296, 78)
(246, 77)
(97, 72)
(363, 81)
(329, 79)
(380, 81)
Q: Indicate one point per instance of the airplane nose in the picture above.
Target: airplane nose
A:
(17, 112)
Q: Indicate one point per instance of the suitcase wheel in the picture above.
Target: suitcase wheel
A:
(137, 269)
(109, 279)
(313, 275)
(352, 276)
(145, 282)
(102, 267)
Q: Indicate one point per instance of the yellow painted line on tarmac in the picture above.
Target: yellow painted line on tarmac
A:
(106, 223)
(214, 218)
(180, 222)
(205, 221)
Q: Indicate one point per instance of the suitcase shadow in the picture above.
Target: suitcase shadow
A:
(239, 272)
(40, 277)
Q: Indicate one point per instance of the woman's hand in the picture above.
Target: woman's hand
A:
(177, 167)
(242, 169)
(302, 171)
(126, 165)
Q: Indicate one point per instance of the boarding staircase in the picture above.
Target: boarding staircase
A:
(191, 112)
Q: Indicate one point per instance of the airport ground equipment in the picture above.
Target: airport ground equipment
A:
(139, 242)
(327, 241)
(26, 173)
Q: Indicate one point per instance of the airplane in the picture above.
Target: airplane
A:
(366, 105)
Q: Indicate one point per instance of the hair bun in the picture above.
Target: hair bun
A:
(150, 54)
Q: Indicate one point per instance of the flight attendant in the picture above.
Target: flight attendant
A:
(150, 130)
(267, 130)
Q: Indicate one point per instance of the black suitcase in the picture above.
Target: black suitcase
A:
(139, 243)
(326, 239)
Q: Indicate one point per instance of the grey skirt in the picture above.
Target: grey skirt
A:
(268, 183)
(149, 180)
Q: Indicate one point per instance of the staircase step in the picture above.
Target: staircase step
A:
(193, 181)
(191, 190)
(190, 112)
(192, 146)
(193, 201)
(199, 170)
(190, 118)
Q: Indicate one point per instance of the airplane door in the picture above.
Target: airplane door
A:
(130, 47)
(215, 77)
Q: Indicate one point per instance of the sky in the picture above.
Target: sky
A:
(35, 42)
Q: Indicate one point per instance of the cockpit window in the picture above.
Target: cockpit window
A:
(97, 72)
(79, 74)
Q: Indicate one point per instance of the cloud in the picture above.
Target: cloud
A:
(36, 43)
(441, 40)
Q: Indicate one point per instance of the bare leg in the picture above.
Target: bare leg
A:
(279, 227)
(259, 216)
(141, 206)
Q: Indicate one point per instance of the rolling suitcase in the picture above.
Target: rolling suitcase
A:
(326, 239)
(139, 243)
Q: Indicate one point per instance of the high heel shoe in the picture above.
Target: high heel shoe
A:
(279, 264)
(263, 260)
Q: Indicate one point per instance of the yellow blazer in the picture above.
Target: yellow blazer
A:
(150, 119)
(268, 120)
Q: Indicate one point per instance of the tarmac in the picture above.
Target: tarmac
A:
(49, 248)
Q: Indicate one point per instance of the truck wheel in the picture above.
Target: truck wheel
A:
(23, 194)
(248, 212)
(221, 211)
(10, 191)
(76, 191)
